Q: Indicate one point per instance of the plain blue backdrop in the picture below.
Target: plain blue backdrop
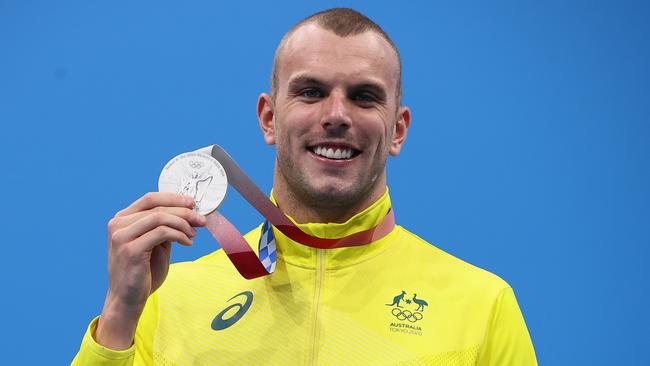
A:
(527, 156)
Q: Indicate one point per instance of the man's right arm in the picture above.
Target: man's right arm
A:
(139, 249)
(93, 353)
(507, 341)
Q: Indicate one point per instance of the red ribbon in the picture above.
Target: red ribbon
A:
(236, 247)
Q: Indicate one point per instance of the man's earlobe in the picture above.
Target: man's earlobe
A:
(266, 117)
(401, 129)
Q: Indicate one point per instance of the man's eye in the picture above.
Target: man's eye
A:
(311, 93)
(363, 97)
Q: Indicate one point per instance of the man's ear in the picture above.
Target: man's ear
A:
(401, 127)
(266, 116)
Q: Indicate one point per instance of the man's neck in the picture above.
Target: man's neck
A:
(306, 211)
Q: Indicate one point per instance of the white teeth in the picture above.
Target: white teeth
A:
(333, 154)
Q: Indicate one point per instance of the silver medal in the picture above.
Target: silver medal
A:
(197, 175)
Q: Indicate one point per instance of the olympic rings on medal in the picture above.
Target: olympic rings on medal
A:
(406, 315)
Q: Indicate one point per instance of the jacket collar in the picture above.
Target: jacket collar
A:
(304, 256)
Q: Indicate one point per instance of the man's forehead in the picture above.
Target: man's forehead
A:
(308, 33)
(315, 46)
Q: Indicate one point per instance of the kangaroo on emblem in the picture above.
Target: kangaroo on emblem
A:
(397, 299)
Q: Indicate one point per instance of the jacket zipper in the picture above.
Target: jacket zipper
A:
(320, 274)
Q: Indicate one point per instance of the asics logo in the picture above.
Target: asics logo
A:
(220, 323)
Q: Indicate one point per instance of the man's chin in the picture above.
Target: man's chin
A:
(332, 196)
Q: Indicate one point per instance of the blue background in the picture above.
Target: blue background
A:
(527, 156)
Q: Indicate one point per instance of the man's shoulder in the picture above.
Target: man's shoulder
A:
(207, 265)
(440, 265)
(210, 264)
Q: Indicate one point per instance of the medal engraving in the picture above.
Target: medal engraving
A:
(197, 175)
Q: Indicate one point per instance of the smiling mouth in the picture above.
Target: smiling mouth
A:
(334, 152)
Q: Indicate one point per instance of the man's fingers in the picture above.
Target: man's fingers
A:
(193, 218)
(150, 222)
(155, 199)
(157, 236)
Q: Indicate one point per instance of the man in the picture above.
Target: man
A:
(334, 114)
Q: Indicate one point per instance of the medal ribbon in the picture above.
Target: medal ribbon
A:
(240, 253)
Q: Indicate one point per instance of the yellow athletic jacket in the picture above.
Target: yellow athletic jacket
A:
(398, 300)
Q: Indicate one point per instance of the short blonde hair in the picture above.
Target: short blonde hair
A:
(343, 22)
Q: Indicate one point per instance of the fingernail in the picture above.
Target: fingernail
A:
(202, 220)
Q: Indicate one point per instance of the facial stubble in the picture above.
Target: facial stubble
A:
(332, 198)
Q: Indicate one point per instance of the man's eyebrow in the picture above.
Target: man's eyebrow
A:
(376, 88)
(303, 80)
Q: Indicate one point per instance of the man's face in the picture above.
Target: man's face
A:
(335, 114)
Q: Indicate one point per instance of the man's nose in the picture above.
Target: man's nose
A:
(336, 112)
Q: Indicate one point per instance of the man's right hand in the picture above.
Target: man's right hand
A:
(139, 249)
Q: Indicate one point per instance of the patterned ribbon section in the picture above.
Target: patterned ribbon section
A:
(240, 253)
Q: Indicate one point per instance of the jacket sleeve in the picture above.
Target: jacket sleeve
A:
(507, 341)
(140, 353)
(92, 353)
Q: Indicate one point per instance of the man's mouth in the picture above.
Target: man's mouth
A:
(334, 152)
